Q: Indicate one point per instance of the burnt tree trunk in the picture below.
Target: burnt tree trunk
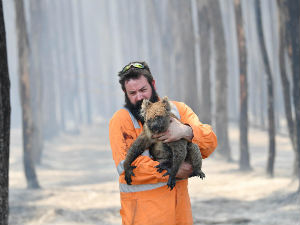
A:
(36, 77)
(191, 96)
(86, 79)
(271, 119)
(27, 119)
(293, 30)
(244, 161)
(4, 123)
(283, 45)
(50, 63)
(221, 80)
(61, 64)
(204, 33)
(75, 109)
(184, 48)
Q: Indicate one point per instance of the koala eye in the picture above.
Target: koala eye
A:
(170, 121)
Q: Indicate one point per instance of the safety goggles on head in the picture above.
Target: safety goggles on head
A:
(135, 65)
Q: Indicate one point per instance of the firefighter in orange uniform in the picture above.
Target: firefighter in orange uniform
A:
(148, 201)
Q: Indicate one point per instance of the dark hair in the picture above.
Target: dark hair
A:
(135, 73)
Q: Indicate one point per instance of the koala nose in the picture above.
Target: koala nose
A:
(157, 125)
(153, 126)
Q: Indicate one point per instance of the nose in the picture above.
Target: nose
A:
(139, 97)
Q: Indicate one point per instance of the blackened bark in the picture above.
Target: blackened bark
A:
(61, 64)
(244, 161)
(283, 45)
(293, 29)
(191, 96)
(4, 123)
(27, 118)
(86, 80)
(36, 77)
(221, 80)
(184, 47)
(271, 119)
(49, 63)
(75, 107)
(205, 53)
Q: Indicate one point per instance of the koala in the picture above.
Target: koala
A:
(170, 155)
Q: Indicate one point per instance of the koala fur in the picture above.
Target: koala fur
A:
(170, 155)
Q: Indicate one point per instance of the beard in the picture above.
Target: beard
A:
(135, 109)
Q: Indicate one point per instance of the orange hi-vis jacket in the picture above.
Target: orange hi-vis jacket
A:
(148, 201)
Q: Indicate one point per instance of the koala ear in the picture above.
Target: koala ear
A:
(165, 101)
(146, 103)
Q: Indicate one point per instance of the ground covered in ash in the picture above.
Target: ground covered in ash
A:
(80, 184)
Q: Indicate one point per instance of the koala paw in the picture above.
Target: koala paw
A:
(201, 175)
(161, 167)
(128, 174)
(198, 173)
(171, 182)
(166, 174)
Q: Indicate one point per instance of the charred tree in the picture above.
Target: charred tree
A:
(70, 95)
(244, 161)
(50, 64)
(284, 44)
(75, 100)
(86, 79)
(188, 49)
(271, 119)
(294, 32)
(61, 63)
(160, 20)
(204, 33)
(221, 80)
(27, 115)
(4, 123)
(36, 77)
(184, 50)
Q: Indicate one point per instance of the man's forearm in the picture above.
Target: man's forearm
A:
(188, 133)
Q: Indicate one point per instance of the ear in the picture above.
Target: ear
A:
(146, 103)
(154, 84)
(165, 101)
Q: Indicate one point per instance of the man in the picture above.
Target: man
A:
(148, 200)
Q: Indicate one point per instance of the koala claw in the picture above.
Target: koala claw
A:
(128, 174)
(166, 174)
(171, 183)
(201, 175)
(161, 167)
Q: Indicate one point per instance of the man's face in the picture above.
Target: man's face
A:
(136, 90)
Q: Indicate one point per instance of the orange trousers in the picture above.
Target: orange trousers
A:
(157, 207)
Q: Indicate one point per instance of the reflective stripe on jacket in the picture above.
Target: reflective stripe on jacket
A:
(147, 200)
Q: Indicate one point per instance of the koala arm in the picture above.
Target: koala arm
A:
(136, 149)
(145, 172)
(122, 136)
(203, 135)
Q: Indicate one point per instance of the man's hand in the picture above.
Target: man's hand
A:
(175, 132)
(185, 170)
